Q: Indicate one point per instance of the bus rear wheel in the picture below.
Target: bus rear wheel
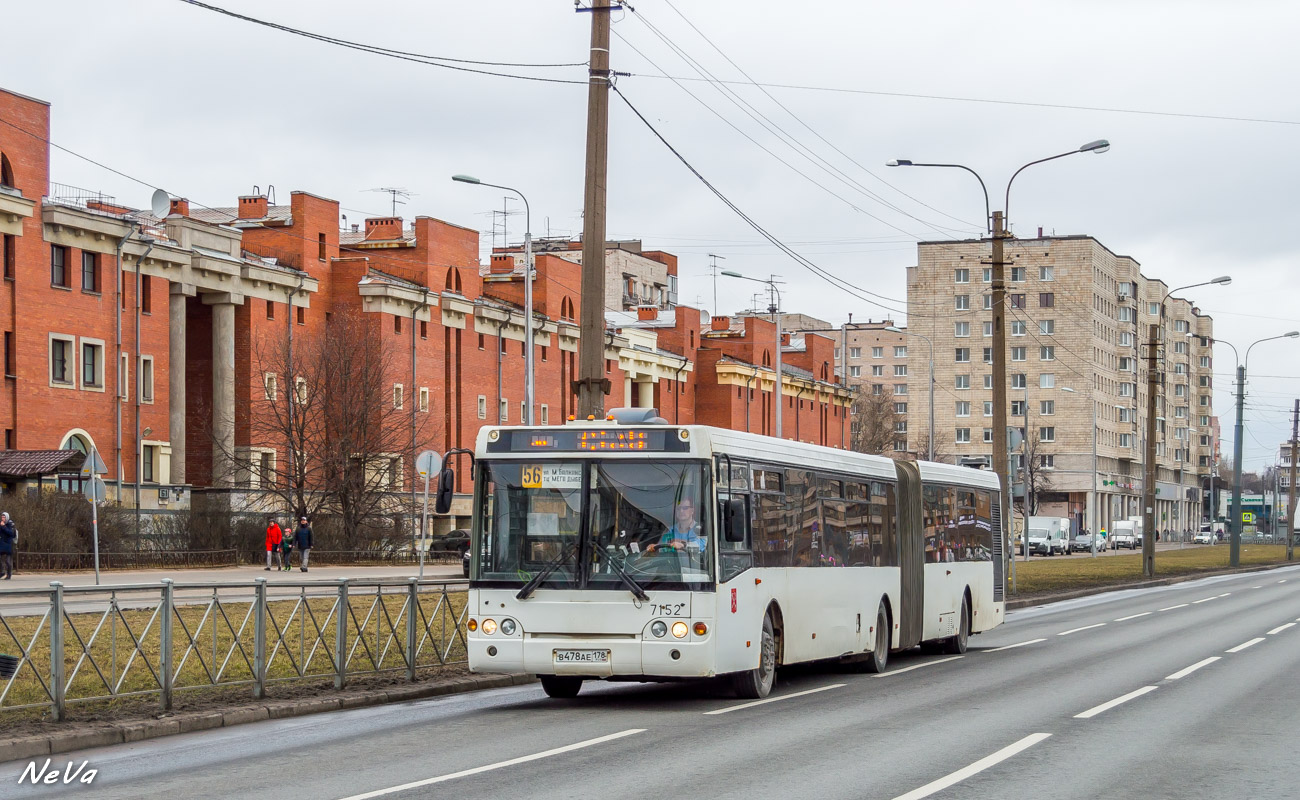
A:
(956, 644)
(755, 684)
(561, 686)
(879, 657)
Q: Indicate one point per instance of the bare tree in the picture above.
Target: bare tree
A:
(1036, 477)
(873, 423)
(331, 432)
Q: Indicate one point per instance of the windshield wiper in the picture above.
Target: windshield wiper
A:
(628, 580)
(555, 564)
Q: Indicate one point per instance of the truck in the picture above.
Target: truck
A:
(1126, 533)
(1049, 535)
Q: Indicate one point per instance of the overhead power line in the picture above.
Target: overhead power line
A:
(445, 62)
(993, 101)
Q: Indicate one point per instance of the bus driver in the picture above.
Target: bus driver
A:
(684, 532)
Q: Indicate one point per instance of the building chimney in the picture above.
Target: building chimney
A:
(253, 206)
(383, 228)
(1040, 231)
(180, 206)
(720, 324)
(647, 313)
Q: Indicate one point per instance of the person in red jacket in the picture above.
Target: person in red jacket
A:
(273, 538)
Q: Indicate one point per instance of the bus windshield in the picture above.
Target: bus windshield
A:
(594, 524)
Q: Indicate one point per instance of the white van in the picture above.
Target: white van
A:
(1049, 535)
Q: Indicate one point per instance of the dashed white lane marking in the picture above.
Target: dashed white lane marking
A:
(767, 700)
(1205, 600)
(1183, 673)
(1282, 581)
(918, 666)
(1257, 587)
(1084, 628)
(1225, 594)
(974, 769)
(1095, 710)
(1171, 608)
(1133, 616)
(568, 748)
(1017, 644)
(1281, 628)
(1244, 645)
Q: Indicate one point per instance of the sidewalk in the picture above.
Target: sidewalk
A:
(41, 580)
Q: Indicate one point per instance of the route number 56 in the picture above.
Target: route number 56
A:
(532, 477)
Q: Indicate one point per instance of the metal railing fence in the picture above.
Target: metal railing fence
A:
(90, 643)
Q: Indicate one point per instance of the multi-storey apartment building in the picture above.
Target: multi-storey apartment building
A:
(1077, 320)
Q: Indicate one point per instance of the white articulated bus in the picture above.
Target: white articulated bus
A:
(631, 549)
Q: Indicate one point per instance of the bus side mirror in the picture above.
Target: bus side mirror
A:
(734, 519)
(446, 488)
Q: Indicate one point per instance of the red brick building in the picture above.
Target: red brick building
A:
(152, 340)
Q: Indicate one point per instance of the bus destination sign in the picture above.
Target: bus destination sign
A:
(590, 440)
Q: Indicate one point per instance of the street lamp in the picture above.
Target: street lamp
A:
(529, 382)
(1093, 514)
(996, 225)
(776, 317)
(1234, 511)
(1151, 470)
(895, 329)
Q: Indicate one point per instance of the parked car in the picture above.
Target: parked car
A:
(464, 563)
(456, 541)
(1082, 543)
(1205, 537)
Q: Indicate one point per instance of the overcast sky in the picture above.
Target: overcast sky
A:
(207, 106)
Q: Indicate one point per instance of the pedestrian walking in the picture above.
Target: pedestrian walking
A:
(286, 549)
(302, 540)
(8, 544)
(274, 536)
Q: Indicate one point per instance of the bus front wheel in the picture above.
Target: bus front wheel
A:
(755, 684)
(561, 686)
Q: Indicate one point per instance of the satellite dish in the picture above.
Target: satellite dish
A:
(161, 204)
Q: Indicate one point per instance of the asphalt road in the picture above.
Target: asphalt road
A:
(1185, 691)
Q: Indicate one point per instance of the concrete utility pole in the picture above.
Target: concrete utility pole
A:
(1149, 468)
(1290, 518)
(1001, 456)
(592, 385)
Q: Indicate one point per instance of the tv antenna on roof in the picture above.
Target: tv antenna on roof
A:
(396, 193)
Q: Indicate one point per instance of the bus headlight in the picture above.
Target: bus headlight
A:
(508, 627)
(658, 629)
(680, 629)
(489, 626)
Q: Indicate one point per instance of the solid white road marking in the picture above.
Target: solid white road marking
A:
(488, 768)
(974, 769)
(1017, 644)
(1171, 608)
(1133, 616)
(767, 700)
(1281, 628)
(1244, 645)
(917, 666)
(1183, 673)
(1084, 628)
(1095, 710)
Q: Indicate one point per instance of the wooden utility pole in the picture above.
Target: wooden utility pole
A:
(1290, 521)
(1150, 470)
(592, 385)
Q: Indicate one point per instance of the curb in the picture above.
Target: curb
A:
(1029, 602)
(105, 734)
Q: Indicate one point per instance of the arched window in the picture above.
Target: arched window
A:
(767, 359)
(6, 171)
(826, 371)
(453, 280)
(77, 442)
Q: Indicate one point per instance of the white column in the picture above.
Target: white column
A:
(223, 393)
(645, 394)
(176, 382)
